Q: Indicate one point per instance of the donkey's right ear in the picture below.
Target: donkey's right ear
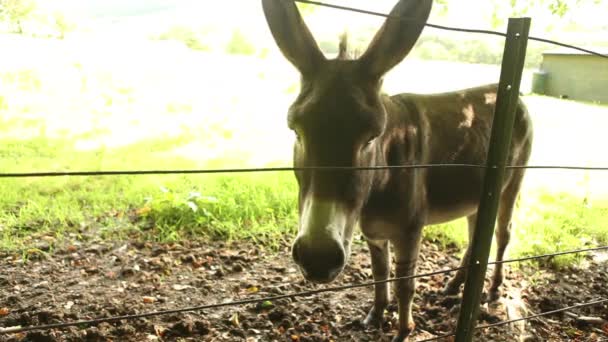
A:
(292, 35)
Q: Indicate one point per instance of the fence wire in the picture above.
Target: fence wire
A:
(219, 305)
(279, 169)
(527, 318)
(274, 169)
(14, 330)
(447, 28)
(552, 312)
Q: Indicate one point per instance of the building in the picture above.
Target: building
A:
(574, 75)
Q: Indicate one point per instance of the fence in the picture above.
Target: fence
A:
(510, 79)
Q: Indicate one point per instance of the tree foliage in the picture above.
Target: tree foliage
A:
(517, 7)
(16, 12)
(306, 9)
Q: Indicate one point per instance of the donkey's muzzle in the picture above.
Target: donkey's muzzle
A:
(320, 262)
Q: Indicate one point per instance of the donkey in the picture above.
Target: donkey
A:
(341, 118)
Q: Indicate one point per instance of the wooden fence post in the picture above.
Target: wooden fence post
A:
(506, 102)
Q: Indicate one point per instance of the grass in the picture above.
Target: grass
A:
(543, 223)
(552, 222)
(557, 210)
(86, 113)
(162, 208)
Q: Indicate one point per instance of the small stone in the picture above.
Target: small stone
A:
(276, 315)
(237, 333)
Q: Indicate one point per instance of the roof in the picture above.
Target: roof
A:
(566, 51)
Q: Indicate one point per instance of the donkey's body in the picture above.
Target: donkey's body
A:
(341, 118)
(448, 128)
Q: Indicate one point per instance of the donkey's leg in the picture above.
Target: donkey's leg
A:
(453, 285)
(380, 253)
(406, 255)
(503, 228)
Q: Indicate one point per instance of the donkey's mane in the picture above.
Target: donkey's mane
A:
(343, 53)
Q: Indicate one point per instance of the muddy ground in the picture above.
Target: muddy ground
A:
(102, 279)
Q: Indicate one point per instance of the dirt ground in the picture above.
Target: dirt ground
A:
(101, 279)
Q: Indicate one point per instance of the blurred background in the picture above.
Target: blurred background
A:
(183, 84)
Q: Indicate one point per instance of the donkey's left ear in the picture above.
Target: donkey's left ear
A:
(396, 37)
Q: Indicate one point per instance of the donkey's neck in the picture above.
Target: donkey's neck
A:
(402, 141)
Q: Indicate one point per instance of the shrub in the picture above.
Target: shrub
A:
(239, 44)
(186, 35)
(483, 51)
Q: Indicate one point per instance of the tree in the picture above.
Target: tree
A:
(306, 9)
(62, 24)
(239, 44)
(561, 7)
(517, 7)
(15, 12)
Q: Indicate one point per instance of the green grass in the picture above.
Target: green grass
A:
(552, 222)
(543, 223)
(256, 207)
(87, 115)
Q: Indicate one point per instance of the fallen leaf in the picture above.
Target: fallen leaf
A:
(253, 289)
(266, 304)
(234, 320)
(143, 211)
(178, 287)
(159, 331)
(68, 305)
(4, 311)
(149, 300)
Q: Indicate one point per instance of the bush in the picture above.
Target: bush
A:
(186, 35)
(239, 44)
(483, 51)
(16, 12)
(329, 46)
(62, 24)
(433, 50)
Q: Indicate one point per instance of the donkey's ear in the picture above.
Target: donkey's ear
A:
(396, 37)
(292, 35)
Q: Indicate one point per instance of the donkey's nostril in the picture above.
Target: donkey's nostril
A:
(319, 262)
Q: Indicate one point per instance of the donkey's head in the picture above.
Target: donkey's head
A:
(339, 120)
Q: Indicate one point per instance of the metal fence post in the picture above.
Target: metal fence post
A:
(508, 93)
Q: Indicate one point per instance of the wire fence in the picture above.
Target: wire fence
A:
(83, 323)
(527, 318)
(280, 169)
(448, 28)
(91, 322)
